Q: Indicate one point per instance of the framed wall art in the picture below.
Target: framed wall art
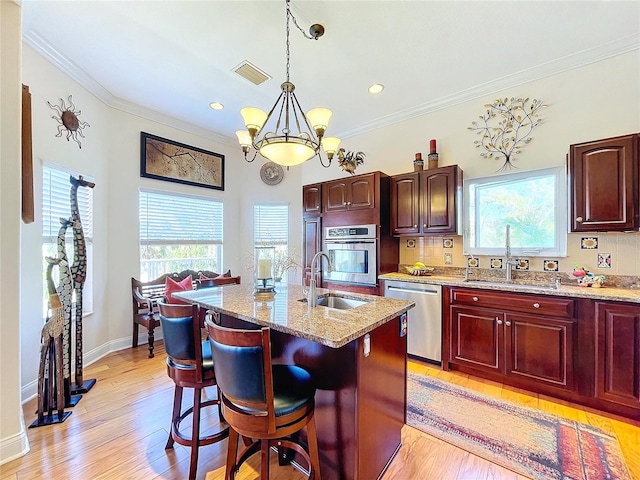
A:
(164, 159)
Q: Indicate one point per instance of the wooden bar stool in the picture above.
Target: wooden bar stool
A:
(265, 402)
(190, 365)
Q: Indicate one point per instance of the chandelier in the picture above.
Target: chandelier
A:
(290, 137)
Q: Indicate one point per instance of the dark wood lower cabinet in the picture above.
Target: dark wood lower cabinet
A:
(618, 353)
(579, 350)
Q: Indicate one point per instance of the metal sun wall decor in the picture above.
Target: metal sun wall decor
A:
(506, 127)
(349, 161)
(67, 119)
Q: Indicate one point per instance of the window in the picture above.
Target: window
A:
(533, 203)
(271, 231)
(179, 232)
(56, 204)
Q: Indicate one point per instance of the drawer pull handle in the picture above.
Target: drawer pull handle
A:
(507, 323)
(579, 219)
(475, 299)
(536, 305)
(498, 321)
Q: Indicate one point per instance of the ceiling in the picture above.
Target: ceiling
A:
(168, 60)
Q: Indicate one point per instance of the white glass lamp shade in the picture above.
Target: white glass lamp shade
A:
(319, 119)
(330, 145)
(287, 154)
(244, 138)
(254, 118)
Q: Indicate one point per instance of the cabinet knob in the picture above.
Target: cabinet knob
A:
(415, 226)
(536, 305)
(579, 219)
(498, 321)
(475, 299)
(507, 323)
(348, 203)
(424, 225)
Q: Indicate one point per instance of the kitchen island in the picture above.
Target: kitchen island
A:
(357, 358)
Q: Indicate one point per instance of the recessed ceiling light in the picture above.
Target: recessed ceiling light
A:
(216, 105)
(376, 88)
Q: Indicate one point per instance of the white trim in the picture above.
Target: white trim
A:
(14, 446)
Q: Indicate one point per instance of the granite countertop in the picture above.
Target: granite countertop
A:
(286, 313)
(604, 293)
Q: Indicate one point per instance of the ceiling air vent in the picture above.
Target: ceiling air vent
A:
(251, 73)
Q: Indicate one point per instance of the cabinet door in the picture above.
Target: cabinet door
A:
(604, 185)
(618, 353)
(311, 245)
(312, 199)
(438, 200)
(361, 192)
(540, 349)
(404, 204)
(476, 338)
(334, 195)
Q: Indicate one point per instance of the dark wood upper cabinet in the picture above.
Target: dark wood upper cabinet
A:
(604, 185)
(312, 199)
(349, 193)
(427, 202)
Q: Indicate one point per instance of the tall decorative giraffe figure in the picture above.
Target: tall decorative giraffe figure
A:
(50, 355)
(65, 293)
(78, 276)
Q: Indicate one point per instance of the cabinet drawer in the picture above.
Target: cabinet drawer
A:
(537, 304)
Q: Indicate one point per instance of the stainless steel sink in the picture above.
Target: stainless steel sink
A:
(339, 303)
(513, 284)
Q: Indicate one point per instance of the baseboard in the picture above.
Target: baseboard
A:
(14, 446)
(30, 390)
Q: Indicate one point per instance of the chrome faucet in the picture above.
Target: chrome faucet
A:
(509, 262)
(311, 294)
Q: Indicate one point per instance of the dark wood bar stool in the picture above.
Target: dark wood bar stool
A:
(265, 402)
(190, 365)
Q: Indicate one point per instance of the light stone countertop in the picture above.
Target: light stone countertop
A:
(286, 313)
(603, 293)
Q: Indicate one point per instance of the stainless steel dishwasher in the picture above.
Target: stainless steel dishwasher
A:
(424, 329)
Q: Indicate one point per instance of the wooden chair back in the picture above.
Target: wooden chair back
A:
(242, 363)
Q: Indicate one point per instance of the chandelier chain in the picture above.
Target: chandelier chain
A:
(292, 17)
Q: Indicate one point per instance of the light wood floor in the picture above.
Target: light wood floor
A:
(118, 431)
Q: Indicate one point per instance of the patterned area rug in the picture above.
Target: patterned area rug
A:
(527, 441)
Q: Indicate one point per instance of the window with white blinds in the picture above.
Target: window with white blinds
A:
(56, 204)
(179, 232)
(271, 236)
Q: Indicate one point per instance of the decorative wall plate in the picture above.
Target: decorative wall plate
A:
(271, 173)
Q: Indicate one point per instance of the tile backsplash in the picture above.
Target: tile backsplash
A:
(600, 253)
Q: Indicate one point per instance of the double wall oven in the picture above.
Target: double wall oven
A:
(353, 253)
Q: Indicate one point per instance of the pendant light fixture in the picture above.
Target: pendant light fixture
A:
(286, 135)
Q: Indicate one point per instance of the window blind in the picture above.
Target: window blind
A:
(173, 219)
(271, 224)
(56, 204)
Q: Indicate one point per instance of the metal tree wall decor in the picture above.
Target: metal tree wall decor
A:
(506, 126)
(67, 119)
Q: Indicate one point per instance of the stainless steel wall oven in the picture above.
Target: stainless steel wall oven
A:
(353, 253)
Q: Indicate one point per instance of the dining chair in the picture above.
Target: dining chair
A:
(189, 365)
(267, 403)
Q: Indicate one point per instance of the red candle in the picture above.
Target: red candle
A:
(432, 144)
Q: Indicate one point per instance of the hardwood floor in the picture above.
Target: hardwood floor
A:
(118, 431)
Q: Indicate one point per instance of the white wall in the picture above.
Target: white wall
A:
(596, 101)
(110, 154)
(13, 439)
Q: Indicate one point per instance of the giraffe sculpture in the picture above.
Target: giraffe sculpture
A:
(78, 273)
(50, 354)
(65, 293)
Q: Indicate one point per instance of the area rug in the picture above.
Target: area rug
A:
(527, 441)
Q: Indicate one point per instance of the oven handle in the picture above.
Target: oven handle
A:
(334, 242)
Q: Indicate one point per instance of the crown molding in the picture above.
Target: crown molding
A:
(570, 62)
(50, 53)
(580, 59)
